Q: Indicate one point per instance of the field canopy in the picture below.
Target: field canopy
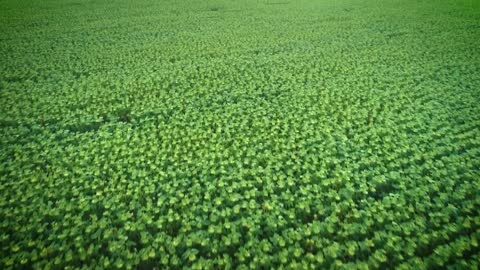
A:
(218, 134)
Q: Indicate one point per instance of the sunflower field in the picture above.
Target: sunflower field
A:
(247, 134)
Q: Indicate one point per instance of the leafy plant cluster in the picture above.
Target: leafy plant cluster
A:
(247, 134)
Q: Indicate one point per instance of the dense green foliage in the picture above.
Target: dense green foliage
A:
(337, 134)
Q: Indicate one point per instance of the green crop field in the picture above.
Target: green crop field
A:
(247, 134)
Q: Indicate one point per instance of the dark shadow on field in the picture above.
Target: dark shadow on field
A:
(214, 9)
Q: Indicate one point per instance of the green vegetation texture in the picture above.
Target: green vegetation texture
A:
(218, 134)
